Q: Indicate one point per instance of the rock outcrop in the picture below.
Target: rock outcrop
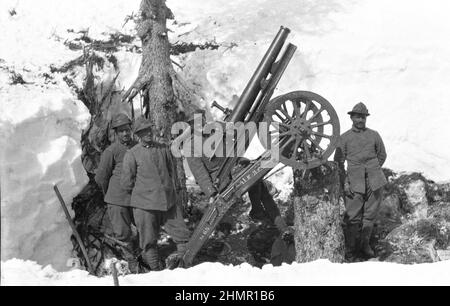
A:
(413, 225)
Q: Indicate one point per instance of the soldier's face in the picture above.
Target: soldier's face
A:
(124, 133)
(359, 121)
(146, 135)
(158, 136)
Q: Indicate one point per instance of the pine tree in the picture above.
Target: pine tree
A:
(166, 99)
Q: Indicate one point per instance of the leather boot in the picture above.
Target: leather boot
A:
(173, 261)
(351, 241)
(130, 255)
(151, 258)
(366, 232)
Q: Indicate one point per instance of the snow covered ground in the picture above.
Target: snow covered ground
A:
(392, 55)
(320, 272)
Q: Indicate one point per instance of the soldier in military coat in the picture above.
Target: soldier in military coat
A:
(108, 178)
(364, 151)
(149, 174)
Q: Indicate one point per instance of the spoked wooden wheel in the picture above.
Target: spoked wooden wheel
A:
(304, 127)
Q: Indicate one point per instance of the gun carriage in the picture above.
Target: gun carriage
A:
(304, 125)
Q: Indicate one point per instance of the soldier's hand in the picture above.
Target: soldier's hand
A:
(348, 190)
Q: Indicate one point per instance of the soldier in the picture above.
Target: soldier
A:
(149, 174)
(364, 151)
(264, 207)
(108, 178)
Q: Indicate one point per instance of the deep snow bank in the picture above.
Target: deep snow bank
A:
(320, 272)
(40, 136)
(41, 124)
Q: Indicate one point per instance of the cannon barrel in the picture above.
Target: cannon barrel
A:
(253, 87)
(256, 96)
(261, 102)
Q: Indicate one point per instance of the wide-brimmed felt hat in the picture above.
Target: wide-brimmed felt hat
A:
(359, 108)
(142, 123)
(119, 120)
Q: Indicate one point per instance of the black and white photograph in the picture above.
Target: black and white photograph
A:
(225, 143)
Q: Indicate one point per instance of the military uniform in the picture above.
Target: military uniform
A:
(364, 151)
(205, 170)
(118, 199)
(149, 175)
(108, 178)
(365, 154)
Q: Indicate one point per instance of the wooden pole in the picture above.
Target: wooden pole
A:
(114, 272)
(74, 230)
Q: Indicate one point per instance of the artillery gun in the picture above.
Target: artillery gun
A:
(304, 124)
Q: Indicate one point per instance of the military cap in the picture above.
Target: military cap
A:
(142, 124)
(119, 120)
(359, 108)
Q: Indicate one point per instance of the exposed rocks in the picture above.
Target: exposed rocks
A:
(444, 254)
(389, 216)
(413, 224)
(416, 199)
(418, 241)
(439, 192)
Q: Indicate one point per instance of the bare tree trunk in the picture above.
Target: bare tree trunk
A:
(154, 81)
(318, 231)
(165, 98)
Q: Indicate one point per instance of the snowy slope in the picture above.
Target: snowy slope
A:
(394, 56)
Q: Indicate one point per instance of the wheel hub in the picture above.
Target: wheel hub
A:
(301, 128)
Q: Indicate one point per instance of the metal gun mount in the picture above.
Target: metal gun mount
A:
(225, 110)
(304, 124)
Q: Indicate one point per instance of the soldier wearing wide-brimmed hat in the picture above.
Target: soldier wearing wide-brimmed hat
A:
(108, 178)
(149, 174)
(364, 151)
(360, 109)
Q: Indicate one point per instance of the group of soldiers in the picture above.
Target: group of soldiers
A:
(141, 188)
(140, 184)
